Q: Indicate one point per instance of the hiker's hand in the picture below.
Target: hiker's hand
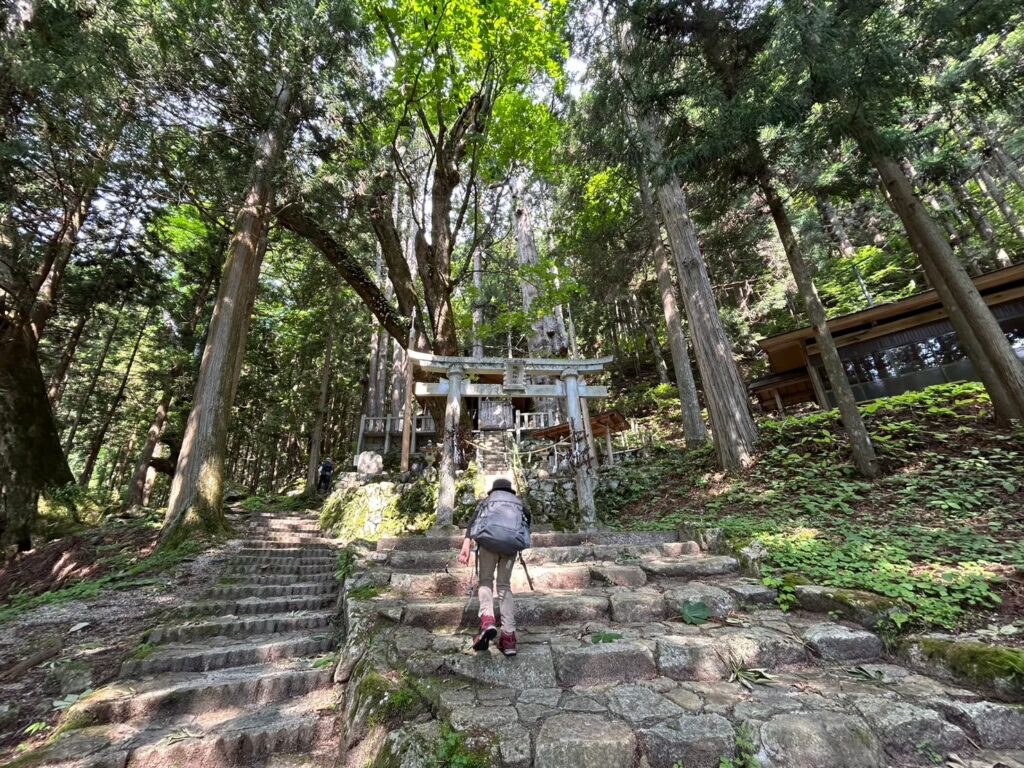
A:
(464, 553)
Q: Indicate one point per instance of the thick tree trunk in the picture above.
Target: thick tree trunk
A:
(693, 422)
(140, 479)
(980, 335)
(316, 438)
(59, 379)
(101, 432)
(31, 458)
(860, 442)
(734, 431)
(197, 490)
(547, 340)
(96, 371)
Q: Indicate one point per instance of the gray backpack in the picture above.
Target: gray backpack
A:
(502, 525)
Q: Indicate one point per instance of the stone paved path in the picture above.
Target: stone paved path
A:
(232, 679)
(659, 695)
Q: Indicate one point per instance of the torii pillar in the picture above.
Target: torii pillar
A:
(580, 449)
(450, 448)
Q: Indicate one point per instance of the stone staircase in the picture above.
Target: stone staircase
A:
(609, 675)
(233, 678)
(492, 455)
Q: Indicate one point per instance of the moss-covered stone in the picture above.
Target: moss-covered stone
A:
(865, 608)
(995, 668)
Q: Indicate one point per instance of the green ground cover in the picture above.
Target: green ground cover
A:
(942, 530)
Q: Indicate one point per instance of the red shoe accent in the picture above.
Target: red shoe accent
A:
(488, 631)
(507, 643)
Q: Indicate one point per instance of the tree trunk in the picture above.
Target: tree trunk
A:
(834, 227)
(59, 379)
(96, 371)
(693, 422)
(980, 335)
(980, 223)
(734, 431)
(993, 190)
(140, 479)
(101, 432)
(546, 340)
(196, 496)
(478, 302)
(860, 442)
(316, 438)
(31, 458)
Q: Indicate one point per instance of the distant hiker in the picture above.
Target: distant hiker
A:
(500, 527)
(326, 470)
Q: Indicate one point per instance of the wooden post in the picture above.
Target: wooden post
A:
(778, 402)
(818, 385)
(611, 449)
(362, 432)
(580, 450)
(450, 448)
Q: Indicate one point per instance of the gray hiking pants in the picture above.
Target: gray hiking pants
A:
(490, 563)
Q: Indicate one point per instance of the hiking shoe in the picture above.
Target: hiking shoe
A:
(507, 643)
(488, 631)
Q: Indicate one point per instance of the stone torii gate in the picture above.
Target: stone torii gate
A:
(456, 384)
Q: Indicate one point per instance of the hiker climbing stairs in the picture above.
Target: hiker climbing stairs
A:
(640, 650)
(242, 676)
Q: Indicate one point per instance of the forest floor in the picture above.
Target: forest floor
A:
(941, 530)
(74, 608)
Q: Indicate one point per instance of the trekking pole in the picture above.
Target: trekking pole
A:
(526, 571)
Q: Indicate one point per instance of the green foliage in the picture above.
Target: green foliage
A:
(365, 592)
(346, 564)
(603, 636)
(451, 751)
(930, 533)
(696, 613)
(746, 750)
(377, 509)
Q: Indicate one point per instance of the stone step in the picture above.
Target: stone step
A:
(257, 605)
(282, 569)
(580, 553)
(691, 566)
(261, 579)
(234, 627)
(235, 741)
(458, 582)
(548, 609)
(241, 591)
(178, 694)
(272, 557)
(204, 656)
(313, 544)
(538, 540)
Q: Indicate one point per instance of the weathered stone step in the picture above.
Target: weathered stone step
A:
(234, 627)
(241, 591)
(629, 553)
(256, 605)
(201, 657)
(271, 557)
(260, 579)
(279, 569)
(691, 566)
(313, 544)
(234, 742)
(530, 610)
(541, 539)
(458, 582)
(197, 692)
